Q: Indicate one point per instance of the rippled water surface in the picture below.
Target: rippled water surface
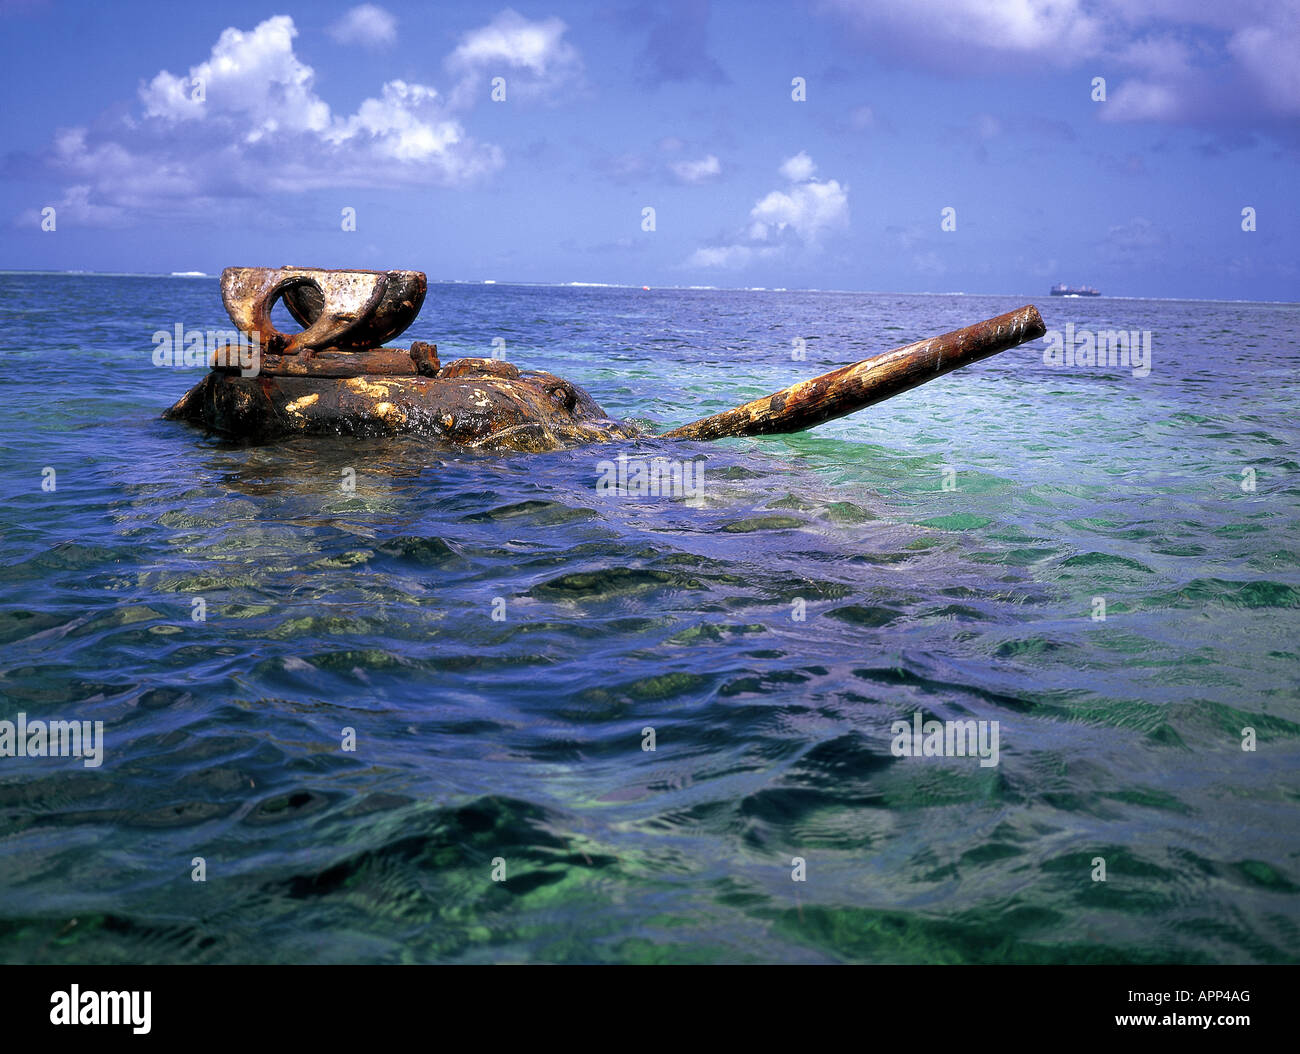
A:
(520, 740)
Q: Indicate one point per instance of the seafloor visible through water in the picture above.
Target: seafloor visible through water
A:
(516, 742)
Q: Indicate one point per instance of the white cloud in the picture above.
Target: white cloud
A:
(254, 76)
(74, 208)
(1165, 56)
(808, 210)
(798, 217)
(368, 25)
(1139, 100)
(408, 124)
(1191, 60)
(798, 168)
(730, 256)
(936, 28)
(697, 171)
(247, 119)
(533, 57)
(512, 40)
(256, 88)
(1272, 57)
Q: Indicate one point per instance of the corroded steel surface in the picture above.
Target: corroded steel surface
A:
(851, 388)
(343, 309)
(480, 403)
(333, 378)
(333, 362)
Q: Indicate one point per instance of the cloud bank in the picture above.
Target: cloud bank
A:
(1179, 61)
(248, 119)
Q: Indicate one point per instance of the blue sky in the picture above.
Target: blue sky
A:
(911, 108)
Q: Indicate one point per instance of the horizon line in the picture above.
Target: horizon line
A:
(646, 288)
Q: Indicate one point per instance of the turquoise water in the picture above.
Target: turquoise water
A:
(520, 740)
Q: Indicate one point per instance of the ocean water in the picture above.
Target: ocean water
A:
(516, 743)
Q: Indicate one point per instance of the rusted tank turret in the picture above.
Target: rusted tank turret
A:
(334, 378)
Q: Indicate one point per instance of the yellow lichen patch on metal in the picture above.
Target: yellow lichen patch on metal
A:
(487, 410)
(298, 405)
(389, 414)
(372, 390)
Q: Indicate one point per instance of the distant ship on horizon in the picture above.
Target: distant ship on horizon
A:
(1066, 290)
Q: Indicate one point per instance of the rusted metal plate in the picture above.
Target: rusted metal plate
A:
(493, 367)
(331, 362)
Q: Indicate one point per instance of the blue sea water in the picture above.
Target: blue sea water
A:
(516, 744)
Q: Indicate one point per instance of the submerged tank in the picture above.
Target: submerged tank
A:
(334, 377)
